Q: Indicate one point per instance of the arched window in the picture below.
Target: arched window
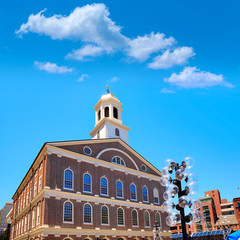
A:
(115, 112)
(145, 194)
(134, 218)
(146, 219)
(133, 194)
(104, 211)
(87, 213)
(157, 218)
(68, 211)
(106, 111)
(117, 133)
(155, 196)
(120, 216)
(99, 114)
(68, 179)
(119, 189)
(87, 182)
(104, 186)
(118, 160)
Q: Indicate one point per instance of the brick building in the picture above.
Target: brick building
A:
(217, 213)
(90, 189)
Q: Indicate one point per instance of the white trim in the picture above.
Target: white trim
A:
(118, 150)
(132, 218)
(91, 182)
(147, 194)
(86, 153)
(122, 189)
(99, 200)
(72, 179)
(108, 215)
(102, 194)
(156, 195)
(121, 225)
(135, 192)
(91, 214)
(72, 212)
(121, 159)
(102, 163)
(146, 211)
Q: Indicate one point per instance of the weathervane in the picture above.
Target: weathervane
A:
(108, 90)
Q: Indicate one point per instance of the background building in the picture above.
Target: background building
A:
(99, 188)
(217, 214)
(3, 216)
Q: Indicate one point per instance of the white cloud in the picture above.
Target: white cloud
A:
(191, 77)
(178, 57)
(141, 48)
(114, 79)
(90, 23)
(83, 77)
(52, 67)
(165, 90)
(86, 51)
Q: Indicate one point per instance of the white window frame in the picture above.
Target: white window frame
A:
(122, 189)
(135, 193)
(132, 218)
(147, 195)
(91, 182)
(72, 212)
(40, 184)
(91, 214)
(106, 224)
(38, 213)
(148, 219)
(72, 179)
(122, 225)
(102, 194)
(156, 195)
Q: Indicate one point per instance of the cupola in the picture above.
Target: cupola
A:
(108, 119)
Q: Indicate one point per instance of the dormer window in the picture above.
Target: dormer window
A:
(117, 132)
(106, 111)
(115, 113)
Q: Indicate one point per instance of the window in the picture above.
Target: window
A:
(118, 160)
(117, 133)
(68, 212)
(106, 111)
(133, 194)
(87, 150)
(35, 190)
(119, 189)
(87, 213)
(144, 168)
(38, 214)
(29, 221)
(120, 216)
(33, 217)
(157, 217)
(98, 134)
(68, 179)
(134, 218)
(145, 194)
(27, 197)
(25, 225)
(146, 219)
(87, 183)
(155, 196)
(40, 184)
(99, 114)
(115, 112)
(104, 186)
(104, 215)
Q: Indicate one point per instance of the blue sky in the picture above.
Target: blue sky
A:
(173, 64)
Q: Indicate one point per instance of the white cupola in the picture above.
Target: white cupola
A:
(108, 119)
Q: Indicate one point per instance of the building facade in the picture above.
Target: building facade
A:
(3, 216)
(218, 214)
(90, 189)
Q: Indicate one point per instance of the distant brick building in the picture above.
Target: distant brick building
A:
(217, 214)
(90, 189)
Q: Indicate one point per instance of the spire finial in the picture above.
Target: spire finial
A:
(108, 90)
